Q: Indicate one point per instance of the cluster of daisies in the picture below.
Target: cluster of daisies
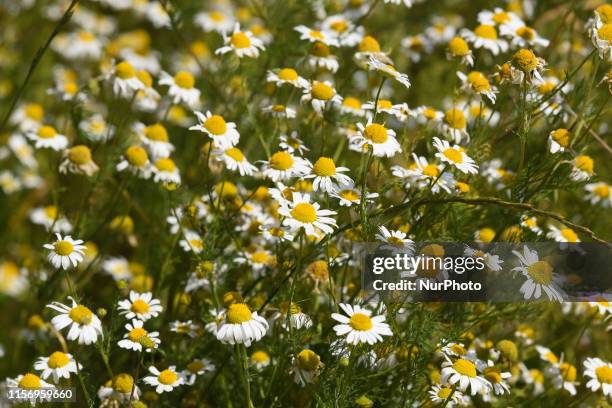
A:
(222, 183)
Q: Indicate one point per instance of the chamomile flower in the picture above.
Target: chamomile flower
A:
(224, 134)
(377, 137)
(347, 34)
(417, 46)
(564, 234)
(320, 57)
(306, 368)
(181, 88)
(125, 81)
(327, 176)
(299, 213)
(394, 237)
(165, 171)
(65, 252)
(521, 35)
(28, 117)
(164, 381)
(563, 376)
(46, 137)
(240, 325)
(292, 143)
(540, 276)
(286, 76)
(57, 365)
(29, 382)
(192, 242)
(360, 326)
(426, 115)
(197, 366)
(477, 83)
(260, 359)
(399, 110)
(349, 195)
(96, 128)
(78, 160)
(242, 43)
(85, 327)
(531, 223)
(440, 394)
(485, 36)
(455, 156)
(425, 174)
(120, 388)
(559, 140)
(135, 160)
(528, 65)
(599, 193)
(321, 95)
(458, 48)
(497, 17)
(141, 306)
(351, 106)
(147, 99)
(136, 338)
(463, 373)
(234, 159)
(599, 374)
(369, 48)
(279, 111)
(388, 70)
(118, 268)
(601, 36)
(50, 218)
(283, 165)
(583, 168)
(215, 20)
(317, 36)
(498, 380)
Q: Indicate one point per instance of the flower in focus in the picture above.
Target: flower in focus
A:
(165, 380)
(65, 252)
(84, 325)
(360, 327)
(241, 326)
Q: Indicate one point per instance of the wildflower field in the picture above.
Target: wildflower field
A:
(185, 186)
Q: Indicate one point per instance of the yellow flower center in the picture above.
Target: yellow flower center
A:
(235, 153)
(550, 356)
(369, 44)
(360, 322)
(136, 156)
(431, 170)
(324, 167)
(79, 154)
(569, 235)
(339, 26)
(455, 118)
(166, 165)
(376, 133)
(481, 84)
(260, 357)
(546, 87)
(46, 132)
(351, 102)
(71, 88)
(240, 40)
(227, 189)
(304, 212)
(136, 334)
(320, 50)
(238, 313)
(281, 161)
(308, 360)
(216, 16)
(58, 359)
(123, 383)
(195, 366)
(384, 104)
(144, 77)
(125, 70)
(260, 257)
(525, 33)
(350, 195)
(458, 349)
(561, 136)
(453, 155)
(444, 393)
(605, 32)
(317, 34)
(97, 126)
(604, 374)
(486, 234)
(584, 163)
(493, 375)
(63, 248)
(458, 47)
(288, 74)
(80, 314)
(525, 60)
(501, 17)
(216, 125)
(541, 272)
(156, 132)
(568, 372)
(602, 190)
(139, 306)
(486, 31)
(51, 212)
(29, 382)
(34, 111)
(184, 80)
(465, 367)
(322, 91)
(279, 108)
(167, 377)
(605, 13)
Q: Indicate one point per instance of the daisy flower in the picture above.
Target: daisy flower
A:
(559, 140)
(599, 193)
(58, 365)
(455, 156)
(562, 234)
(192, 242)
(427, 115)
(224, 134)
(377, 137)
(316, 36)
(292, 143)
(459, 49)
(165, 170)
(240, 325)
(49, 218)
(118, 268)
(292, 313)
(454, 124)
(260, 359)
(234, 160)
(77, 160)
(147, 99)
(215, 21)
(399, 110)
(369, 48)
(531, 223)
(181, 88)
(65, 251)
(47, 137)
(528, 64)
(96, 128)
(540, 276)
(137, 337)
(140, 306)
(463, 373)
(242, 43)
(350, 195)
(135, 160)
(521, 35)
(124, 80)
(326, 175)
(321, 95)
(320, 57)
(272, 233)
(29, 382)
(120, 388)
(485, 36)
(22, 150)
(28, 117)
(351, 106)
(599, 373)
(426, 174)
(84, 325)
(257, 259)
(286, 76)
(81, 45)
(360, 327)
(547, 355)
(498, 380)
(197, 366)
(497, 17)
(279, 111)
(440, 394)
(394, 237)
(477, 83)
(306, 367)
(347, 34)
(582, 168)
(389, 71)
(165, 380)
(283, 165)
(300, 213)
(563, 377)
(601, 36)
